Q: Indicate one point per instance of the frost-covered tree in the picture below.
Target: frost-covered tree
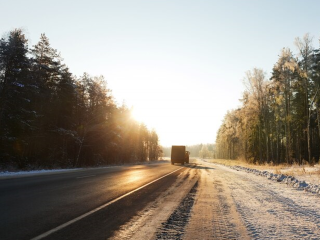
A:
(305, 51)
(283, 76)
(279, 119)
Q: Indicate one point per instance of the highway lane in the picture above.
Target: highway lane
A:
(33, 205)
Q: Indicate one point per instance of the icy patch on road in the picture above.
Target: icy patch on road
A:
(289, 180)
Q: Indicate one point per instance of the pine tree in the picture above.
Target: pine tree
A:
(55, 105)
(16, 96)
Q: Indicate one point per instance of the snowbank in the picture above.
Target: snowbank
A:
(289, 180)
(35, 172)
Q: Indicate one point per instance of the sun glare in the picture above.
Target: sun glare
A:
(137, 114)
(134, 176)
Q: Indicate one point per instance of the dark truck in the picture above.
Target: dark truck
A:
(179, 155)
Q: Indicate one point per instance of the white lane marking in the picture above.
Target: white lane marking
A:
(86, 176)
(45, 234)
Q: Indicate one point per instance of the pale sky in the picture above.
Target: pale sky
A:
(179, 63)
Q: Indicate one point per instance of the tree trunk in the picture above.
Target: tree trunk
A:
(308, 127)
(318, 118)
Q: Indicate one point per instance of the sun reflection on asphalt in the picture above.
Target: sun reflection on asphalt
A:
(134, 176)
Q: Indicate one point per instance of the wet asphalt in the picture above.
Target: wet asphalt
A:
(32, 205)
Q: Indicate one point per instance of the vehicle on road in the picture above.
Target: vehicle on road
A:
(179, 155)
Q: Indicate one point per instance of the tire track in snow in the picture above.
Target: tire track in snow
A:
(214, 214)
(174, 227)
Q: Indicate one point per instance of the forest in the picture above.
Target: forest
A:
(279, 118)
(50, 118)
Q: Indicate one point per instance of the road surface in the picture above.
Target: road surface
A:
(33, 205)
(156, 201)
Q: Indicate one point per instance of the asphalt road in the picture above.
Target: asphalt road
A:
(33, 205)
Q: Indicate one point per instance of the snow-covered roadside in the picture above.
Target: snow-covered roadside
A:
(36, 172)
(268, 209)
(304, 182)
(5, 174)
(289, 180)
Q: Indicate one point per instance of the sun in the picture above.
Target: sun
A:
(145, 116)
(137, 114)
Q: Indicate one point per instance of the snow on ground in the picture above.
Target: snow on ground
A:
(303, 173)
(303, 177)
(35, 172)
(227, 203)
(214, 214)
(269, 209)
(5, 174)
(287, 179)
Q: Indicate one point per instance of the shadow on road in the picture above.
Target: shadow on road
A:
(196, 166)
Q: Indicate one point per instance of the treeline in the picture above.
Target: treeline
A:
(279, 120)
(50, 118)
(207, 151)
